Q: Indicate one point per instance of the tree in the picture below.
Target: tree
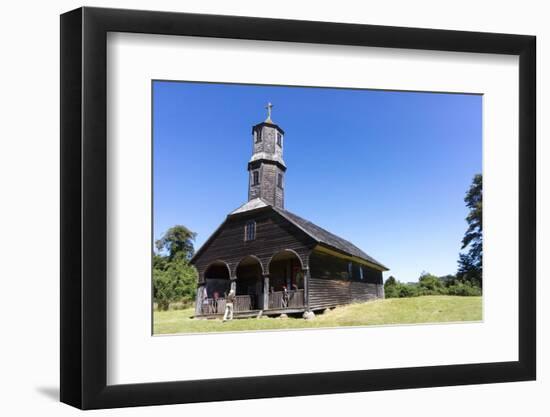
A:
(390, 281)
(429, 284)
(176, 282)
(390, 288)
(177, 242)
(174, 279)
(470, 264)
(448, 280)
(396, 289)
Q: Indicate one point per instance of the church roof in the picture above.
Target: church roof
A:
(324, 236)
(311, 229)
(250, 205)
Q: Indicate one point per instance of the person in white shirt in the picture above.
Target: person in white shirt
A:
(228, 315)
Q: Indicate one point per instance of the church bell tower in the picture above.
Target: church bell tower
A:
(266, 167)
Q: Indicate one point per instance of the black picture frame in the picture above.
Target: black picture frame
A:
(84, 207)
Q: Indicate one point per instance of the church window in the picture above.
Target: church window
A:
(255, 177)
(250, 231)
(258, 135)
(279, 139)
(280, 180)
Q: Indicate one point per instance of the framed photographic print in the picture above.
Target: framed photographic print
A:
(257, 208)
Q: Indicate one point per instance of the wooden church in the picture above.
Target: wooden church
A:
(276, 261)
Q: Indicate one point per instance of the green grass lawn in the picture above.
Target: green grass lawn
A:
(427, 309)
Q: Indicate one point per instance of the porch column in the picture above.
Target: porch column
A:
(266, 291)
(199, 298)
(306, 287)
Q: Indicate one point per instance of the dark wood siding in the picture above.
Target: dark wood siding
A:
(328, 292)
(338, 281)
(273, 234)
(327, 266)
(331, 292)
(360, 291)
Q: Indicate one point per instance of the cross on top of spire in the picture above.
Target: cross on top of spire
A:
(269, 107)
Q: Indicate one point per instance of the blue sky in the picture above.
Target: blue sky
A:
(386, 170)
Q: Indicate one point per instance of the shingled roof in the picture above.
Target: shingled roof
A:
(324, 236)
(311, 229)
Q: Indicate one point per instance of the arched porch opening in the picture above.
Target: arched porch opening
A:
(216, 286)
(216, 278)
(286, 280)
(249, 288)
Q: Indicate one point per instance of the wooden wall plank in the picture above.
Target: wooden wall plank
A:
(330, 293)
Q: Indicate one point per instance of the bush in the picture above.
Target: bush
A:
(173, 281)
(391, 292)
(464, 289)
(400, 290)
(407, 290)
(429, 284)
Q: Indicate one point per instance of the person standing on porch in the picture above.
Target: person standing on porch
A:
(204, 303)
(228, 315)
(215, 298)
(285, 297)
